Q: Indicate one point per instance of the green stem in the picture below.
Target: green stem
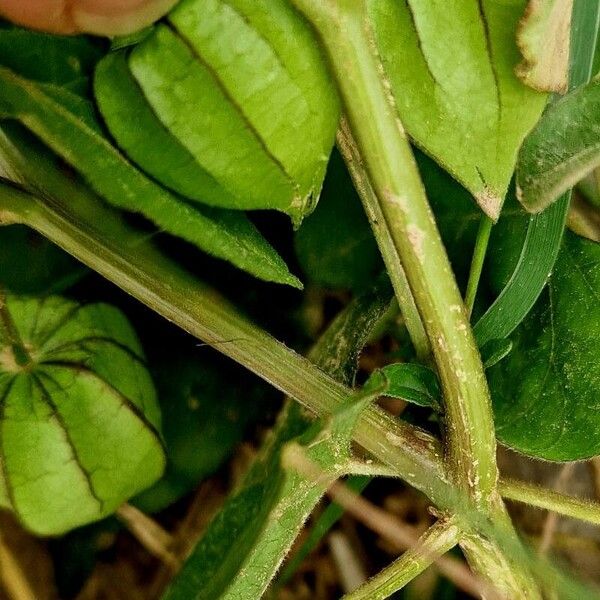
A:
(344, 29)
(435, 542)
(481, 246)
(533, 495)
(412, 318)
(10, 333)
(392, 171)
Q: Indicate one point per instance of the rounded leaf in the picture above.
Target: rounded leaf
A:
(79, 420)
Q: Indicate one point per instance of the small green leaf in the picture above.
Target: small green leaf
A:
(521, 258)
(79, 421)
(67, 124)
(335, 245)
(410, 382)
(546, 392)
(243, 87)
(562, 149)
(544, 37)
(471, 119)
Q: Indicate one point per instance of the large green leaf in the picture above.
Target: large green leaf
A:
(562, 149)
(243, 88)
(546, 393)
(245, 544)
(79, 421)
(66, 123)
(451, 69)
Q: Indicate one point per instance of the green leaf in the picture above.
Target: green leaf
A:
(79, 421)
(335, 245)
(65, 61)
(544, 39)
(243, 87)
(544, 230)
(30, 264)
(206, 408)
(494, 351)
(562, 149)
(471, 119)
(265, 516)
(66, 123)
(525, 256)
(410, 382)
(546, 392)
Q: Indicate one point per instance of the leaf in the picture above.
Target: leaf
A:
(30, 264)
(526, 257)
(544, 37)
(562, 149)
(265, 516)
(494, 351)
(66, 123)
(546, 392)
(244, 89)
(471, 119)
(544, 230)
(410, 382)
(65, 61)
(206, 408)
(335, 245)
(79, 421)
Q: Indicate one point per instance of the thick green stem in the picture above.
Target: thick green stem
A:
(434, 543)
(344, 28)
(392, 171)
(481, 245)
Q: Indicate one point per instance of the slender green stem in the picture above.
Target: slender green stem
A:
(9, 331)
(414, 324)
(435, 542)
(533, 495)
(481, 245)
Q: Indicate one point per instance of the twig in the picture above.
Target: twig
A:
(150, 534)
(481, 245)
(350, 568)
(552, 518)
(12, 577)
(404, 536)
